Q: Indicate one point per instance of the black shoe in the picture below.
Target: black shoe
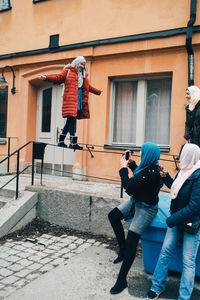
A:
(75, 147)
(153, 295)
(118, 287)
(119, 258)
(62, 144)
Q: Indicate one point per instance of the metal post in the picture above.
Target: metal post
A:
(32, 180)
(41, 171)
(121, 193)
(8, 165)
(17, 178)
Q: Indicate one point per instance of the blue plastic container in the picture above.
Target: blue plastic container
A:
(153, 238)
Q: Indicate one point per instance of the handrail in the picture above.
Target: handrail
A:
(38, 153)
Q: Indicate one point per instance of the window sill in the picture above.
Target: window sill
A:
(131, 147)
(3, 141)
(5, 9)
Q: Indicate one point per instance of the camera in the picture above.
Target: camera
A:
(127, 154)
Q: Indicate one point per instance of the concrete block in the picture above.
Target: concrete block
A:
(64, 208)
(14, 211)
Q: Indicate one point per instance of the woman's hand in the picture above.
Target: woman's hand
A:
(163, 172)
(124, 162)
(42, 77)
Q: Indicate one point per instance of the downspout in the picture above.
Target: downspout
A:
(188, 44)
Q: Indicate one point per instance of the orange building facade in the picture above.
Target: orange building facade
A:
(136, 51)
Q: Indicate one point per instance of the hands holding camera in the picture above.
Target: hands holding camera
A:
(125, 159)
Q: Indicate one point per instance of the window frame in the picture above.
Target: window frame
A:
(140, 110)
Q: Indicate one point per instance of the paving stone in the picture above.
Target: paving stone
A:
(20, 283)
(12, 252)
(57, 261)
(68, 255)
(49, 251)
(5, 272)
(97, 244)
(38, 248)
(46, 268)
(23, 273)
(1, 286)
(46, 236)
(55, 255)
(54, 247)
(4, 249)
(9, 290)
(84, 246)
(71, 237)
(8, 244)
(42, 254)
(28, 245)
(67, 241)
(3, 255)
(34, 267)
(4, 263)
(19, 247)
(79, 241)
(64, 250)
(45, 260)
(60, 245)
(9, 280)
(30, 250)
(56, 238)
(15, 267)
(34, 258)
(23, 254)
(91, 241)
(32, 276)
(13, 258)
(72, 246)
(25, 262)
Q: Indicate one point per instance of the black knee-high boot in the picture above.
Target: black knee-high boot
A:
(115, 217)
(129, 256)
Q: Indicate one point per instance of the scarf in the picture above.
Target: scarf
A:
(81, 73)
(150, 154)
(195, 96)
(189, 163)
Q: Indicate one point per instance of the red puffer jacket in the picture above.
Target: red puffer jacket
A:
(70, 95)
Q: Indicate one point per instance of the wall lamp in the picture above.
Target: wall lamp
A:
(3, 82)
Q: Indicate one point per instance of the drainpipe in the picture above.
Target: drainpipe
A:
(188, 44)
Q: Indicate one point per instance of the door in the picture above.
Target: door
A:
(57, 160)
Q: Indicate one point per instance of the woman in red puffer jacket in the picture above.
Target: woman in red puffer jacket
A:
(75, 97)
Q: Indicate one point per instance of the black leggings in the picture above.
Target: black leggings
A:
(70, 126)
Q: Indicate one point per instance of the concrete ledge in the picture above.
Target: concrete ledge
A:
(77, 210)
(14, 211)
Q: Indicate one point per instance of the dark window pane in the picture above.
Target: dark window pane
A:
(5, 4)
(46, 110)
(3, 112)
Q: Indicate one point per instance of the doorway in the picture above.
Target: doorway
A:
(57, 160)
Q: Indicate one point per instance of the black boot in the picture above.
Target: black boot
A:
(61, 141)
(115, 217)
(129, 256)
(73, 143)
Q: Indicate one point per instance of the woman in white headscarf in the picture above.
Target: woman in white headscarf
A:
(185, 207)
(75, 97)
(192, 124)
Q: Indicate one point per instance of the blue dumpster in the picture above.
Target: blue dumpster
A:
(153, 238)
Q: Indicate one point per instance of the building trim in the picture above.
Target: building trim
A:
(123, 39)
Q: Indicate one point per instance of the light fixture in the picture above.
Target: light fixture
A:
(3, 82)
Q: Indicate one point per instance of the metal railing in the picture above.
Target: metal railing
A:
(38, 153)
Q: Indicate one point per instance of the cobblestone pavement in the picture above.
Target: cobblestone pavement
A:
(23, 261)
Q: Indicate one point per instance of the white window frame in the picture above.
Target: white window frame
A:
(140, 109)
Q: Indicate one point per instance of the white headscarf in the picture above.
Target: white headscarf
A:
(189, 163)
(81, 73)
(195, 96)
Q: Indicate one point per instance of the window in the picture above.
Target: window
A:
(3, 113)
(5, 5)
(140, 111)
(46, 110)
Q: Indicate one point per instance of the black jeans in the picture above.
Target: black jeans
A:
(70, 126)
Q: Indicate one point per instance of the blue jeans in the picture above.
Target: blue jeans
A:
(190, 249)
